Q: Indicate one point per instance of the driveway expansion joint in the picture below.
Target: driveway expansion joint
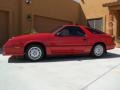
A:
(104, 74)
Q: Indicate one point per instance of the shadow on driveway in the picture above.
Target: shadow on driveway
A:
(13, 59)
(0, 51)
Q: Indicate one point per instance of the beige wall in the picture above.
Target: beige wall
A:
(94, 9)
(62, 9)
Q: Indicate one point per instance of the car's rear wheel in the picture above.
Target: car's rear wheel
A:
(98, 50)
(34, 53)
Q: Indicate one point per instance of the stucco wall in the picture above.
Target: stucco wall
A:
(61, 9)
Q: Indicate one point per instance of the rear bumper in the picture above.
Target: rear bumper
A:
(15, 51)
(110, 47)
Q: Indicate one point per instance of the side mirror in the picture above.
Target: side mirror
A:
(58, 34)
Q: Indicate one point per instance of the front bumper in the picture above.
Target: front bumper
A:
(15, 51)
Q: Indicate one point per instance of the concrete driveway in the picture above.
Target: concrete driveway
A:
(63, 73)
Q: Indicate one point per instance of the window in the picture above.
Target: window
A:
(72, 31)
(96, 23)
(65, 32)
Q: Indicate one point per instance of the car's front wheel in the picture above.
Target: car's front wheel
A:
(34, 53)
(98, 50)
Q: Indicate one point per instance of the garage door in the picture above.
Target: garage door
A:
(3, 27)
(43, 24)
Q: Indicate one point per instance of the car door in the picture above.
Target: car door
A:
(69, 40)
(78, 39)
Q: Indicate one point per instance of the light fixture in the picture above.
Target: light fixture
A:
(28, 1)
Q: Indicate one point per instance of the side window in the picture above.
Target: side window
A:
(65, 32)
(76, 31)
(71, 31)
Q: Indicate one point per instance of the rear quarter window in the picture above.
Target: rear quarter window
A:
(95, 31)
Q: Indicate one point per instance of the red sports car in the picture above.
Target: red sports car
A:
(67, 40)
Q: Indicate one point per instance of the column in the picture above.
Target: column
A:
(111, 23)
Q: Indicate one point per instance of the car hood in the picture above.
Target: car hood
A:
(32, 36)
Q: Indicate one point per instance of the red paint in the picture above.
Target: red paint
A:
(56, 45)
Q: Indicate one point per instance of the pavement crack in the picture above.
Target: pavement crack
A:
(84, 88)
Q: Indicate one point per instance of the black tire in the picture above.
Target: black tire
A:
(34, 53)
(98, 50)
